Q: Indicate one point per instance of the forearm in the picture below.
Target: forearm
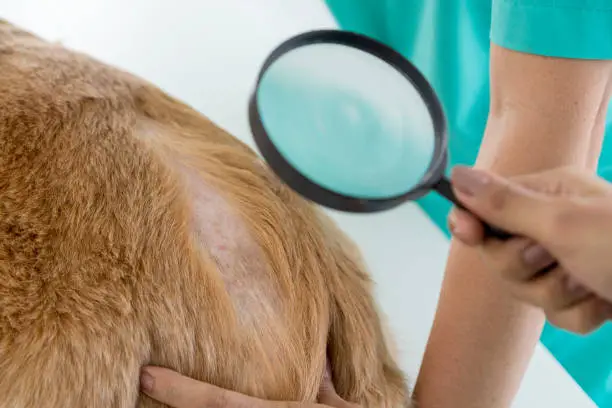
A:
(544, 113)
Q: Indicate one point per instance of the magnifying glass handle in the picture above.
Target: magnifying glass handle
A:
(497, 233)
(445, 189)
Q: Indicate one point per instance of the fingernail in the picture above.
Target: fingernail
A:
(537, 257)
(456, 227)
(146, 381)
(452, 222)
(469, 181)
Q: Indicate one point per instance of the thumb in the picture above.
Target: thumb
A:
(501, 202)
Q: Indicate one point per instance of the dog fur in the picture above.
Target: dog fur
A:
(134, 231)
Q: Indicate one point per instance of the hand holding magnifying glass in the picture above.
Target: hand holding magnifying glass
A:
(564, 215)
(350, 124)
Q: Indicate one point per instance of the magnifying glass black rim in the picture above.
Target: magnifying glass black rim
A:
(321, 195)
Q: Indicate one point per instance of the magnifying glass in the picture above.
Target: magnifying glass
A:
(350, 124)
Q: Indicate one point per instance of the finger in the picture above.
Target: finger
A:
(465, 227)
(517, 260)
(552, 292)
(331, 399)
(328, 395)
(178, 391)
(584, 317)
(537, 259)
(566, 182)
(501, 202)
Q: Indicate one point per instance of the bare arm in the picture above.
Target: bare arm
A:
(545, 113)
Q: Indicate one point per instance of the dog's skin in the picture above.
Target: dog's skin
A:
(134, 231)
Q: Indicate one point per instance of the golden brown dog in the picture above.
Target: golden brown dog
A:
(134, 231)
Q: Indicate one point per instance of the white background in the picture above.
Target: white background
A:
(207, 53)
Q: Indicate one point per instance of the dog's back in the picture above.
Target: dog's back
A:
(133, 231)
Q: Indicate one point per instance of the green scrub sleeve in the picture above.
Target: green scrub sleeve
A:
(580, 29)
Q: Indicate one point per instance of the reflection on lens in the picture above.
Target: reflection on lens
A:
(347, 121)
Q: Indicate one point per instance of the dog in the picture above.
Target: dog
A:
(134, 231)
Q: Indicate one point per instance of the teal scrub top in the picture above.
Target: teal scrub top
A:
(448, 40)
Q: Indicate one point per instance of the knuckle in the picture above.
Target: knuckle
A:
(570, 219)
(498, 197)
(563, 218)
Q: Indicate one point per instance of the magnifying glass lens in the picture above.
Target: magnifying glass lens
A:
(347, 120)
